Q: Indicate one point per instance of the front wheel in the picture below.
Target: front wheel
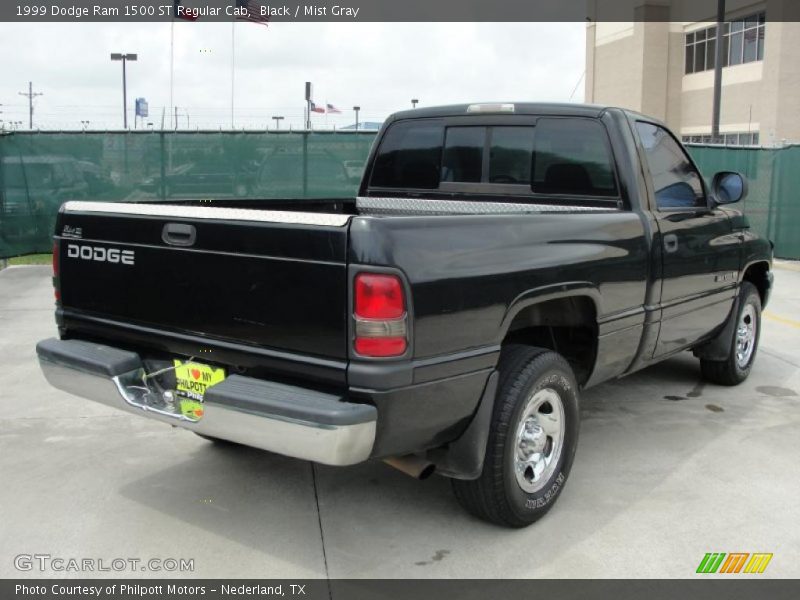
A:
(532, 439)
(737, 366)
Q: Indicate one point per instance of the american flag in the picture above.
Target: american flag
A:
(333, 110)
(317, 109)
(253, 15)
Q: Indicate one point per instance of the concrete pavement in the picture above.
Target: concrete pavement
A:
(668, 468)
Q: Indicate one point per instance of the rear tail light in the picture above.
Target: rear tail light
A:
(56, 268)
(379, 308)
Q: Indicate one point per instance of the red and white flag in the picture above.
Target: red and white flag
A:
(333, 110)
(317, 109)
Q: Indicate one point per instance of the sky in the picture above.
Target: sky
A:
(378, 66)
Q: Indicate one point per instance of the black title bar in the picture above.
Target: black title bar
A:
(708, 587)
(366, 11)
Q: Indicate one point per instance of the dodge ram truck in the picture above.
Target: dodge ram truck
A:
(497, 260)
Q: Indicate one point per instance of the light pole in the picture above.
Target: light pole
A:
(717, 106)
(414, 102)
(277, 120)
(124, 58)
(356, 109)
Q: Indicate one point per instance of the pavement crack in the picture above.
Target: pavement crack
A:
(321, 530)
(779, 357)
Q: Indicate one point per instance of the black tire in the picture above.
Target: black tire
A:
(496, 496)
(732, 371)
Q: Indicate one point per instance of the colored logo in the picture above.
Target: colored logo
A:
(735, 562)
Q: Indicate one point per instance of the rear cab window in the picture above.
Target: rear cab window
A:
(545, 156)
(409, 157)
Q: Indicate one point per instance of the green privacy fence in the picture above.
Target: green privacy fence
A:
(40, 170)
(773, 202)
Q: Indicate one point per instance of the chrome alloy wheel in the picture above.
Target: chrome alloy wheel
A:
(540, 439)
(746, 332)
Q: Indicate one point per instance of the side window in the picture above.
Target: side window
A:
(676, 182)
(572, 156)
(463, 154)
(409, 156)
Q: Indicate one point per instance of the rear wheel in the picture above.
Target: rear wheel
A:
(532, 440)
(736, 368)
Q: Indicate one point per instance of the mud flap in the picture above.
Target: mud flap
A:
(463, 459)
(719, 347)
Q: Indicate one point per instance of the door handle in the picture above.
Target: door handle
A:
(670, 242)
(179, 234)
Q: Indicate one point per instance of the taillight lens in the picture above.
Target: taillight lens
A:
(55, 259)
(379, 296)
(379, 308)
(381, 347)
(56, 282)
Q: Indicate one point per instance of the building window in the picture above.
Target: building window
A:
(728, 139)
(742, 42)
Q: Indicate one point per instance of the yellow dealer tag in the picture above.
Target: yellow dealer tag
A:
(193, 379)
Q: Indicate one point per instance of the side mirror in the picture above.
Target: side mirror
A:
(729, 187)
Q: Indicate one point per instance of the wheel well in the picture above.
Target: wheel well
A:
(566, 325)
(757, 274)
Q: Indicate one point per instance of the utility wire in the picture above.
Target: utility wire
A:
(577, 84)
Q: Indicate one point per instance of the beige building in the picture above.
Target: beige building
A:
(665, 69)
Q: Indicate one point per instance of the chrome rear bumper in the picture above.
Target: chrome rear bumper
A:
(283, 419)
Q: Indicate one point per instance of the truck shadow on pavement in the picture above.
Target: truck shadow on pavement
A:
(377, 522)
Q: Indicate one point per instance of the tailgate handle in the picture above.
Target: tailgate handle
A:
(179, 234)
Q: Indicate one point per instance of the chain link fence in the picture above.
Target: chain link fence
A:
(40, 170)
(773, 202)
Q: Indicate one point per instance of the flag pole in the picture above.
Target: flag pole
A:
(233, 65)
(171, 66)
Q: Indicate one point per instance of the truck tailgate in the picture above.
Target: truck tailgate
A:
(263, 279)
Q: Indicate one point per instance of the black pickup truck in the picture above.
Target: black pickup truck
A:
(499, 258)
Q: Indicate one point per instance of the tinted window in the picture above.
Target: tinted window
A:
(409, 156)
(463, 154)
(511, 155)
(676, 182)
(571, 156)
